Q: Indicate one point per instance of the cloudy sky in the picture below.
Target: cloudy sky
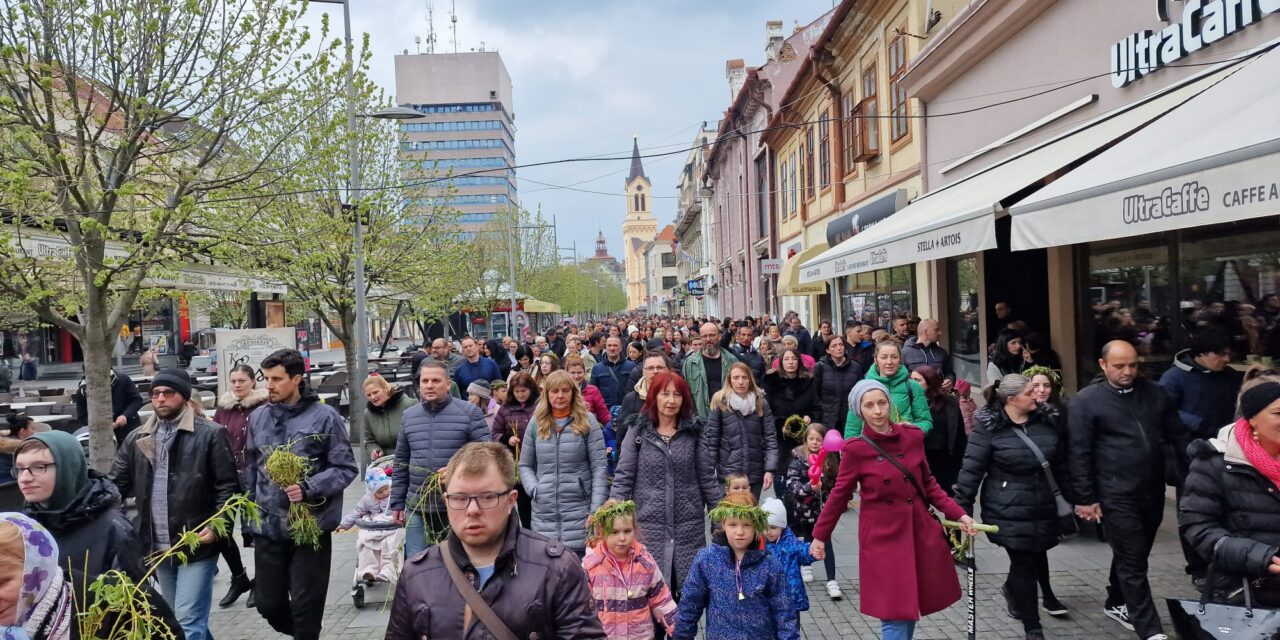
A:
(588, 75)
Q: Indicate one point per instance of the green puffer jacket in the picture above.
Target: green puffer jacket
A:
(909, 403)
(382, 424)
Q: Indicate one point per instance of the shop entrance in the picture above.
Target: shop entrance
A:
(1017, 278)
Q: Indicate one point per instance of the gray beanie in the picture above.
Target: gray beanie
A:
(481, 388)
(861, 389)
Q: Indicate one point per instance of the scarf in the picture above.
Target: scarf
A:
(642, 388)
(560, 415)
(43, 599)
(1253, 452)
(746, 405)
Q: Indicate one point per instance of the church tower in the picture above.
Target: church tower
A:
(639, 228)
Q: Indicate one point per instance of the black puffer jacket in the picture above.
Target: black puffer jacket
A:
(1229, 511)
(742, 444)
(1015, 492)
(834, 382)
(790, 397)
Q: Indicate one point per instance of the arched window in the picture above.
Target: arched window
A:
(642, 202)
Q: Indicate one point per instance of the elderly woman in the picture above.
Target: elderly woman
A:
(901, 549)
(1228, 509)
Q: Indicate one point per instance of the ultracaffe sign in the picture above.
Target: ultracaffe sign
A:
(1202, 24)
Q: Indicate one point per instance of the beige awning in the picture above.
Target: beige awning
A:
(533, 305)
(789, 279)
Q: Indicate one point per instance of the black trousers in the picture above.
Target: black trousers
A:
(1024, 573)
(291, 585)
(1131, 522)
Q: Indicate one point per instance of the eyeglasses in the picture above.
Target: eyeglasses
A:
(163, 393)
(36, 470)
(462, 501)
(655, 369)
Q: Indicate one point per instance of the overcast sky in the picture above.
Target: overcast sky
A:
(589, 75)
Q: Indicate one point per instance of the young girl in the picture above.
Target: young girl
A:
(625, 580)
(791, 553)
(377, 546)
(807, 499)
(741, 586)
(738, 483)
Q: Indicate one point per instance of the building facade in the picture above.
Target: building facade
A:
(662, 281)
(467, 130)
(606, 264)
(692, 229)
(638, 228)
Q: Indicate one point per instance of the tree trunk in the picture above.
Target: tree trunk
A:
(355, 388)
(97, 368)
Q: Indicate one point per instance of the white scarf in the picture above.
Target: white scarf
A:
(746, 405)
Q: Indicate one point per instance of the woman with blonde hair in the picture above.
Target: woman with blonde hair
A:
(563, 462)
(740, 433)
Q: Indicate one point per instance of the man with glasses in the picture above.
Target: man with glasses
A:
(443, 353)
(654, 362)
(499, 563)
(179, 468)
(707, 369)
(433, 430)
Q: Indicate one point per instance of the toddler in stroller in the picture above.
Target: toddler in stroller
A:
(378, 544)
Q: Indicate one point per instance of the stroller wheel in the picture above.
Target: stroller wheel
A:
(357, 596)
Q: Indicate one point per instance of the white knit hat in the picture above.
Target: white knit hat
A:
(777, 512)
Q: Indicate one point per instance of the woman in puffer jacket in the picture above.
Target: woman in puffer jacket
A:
(907, 399)
(563, 463)
(740, 437)
(1016, 494)
(1229, 510)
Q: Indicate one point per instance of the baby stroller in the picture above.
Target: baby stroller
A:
(378, 536)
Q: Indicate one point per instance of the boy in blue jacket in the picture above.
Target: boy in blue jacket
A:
(790, 552)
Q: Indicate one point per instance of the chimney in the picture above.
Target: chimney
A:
(773, 39)
(736, 72)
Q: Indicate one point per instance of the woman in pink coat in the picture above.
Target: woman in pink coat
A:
(904, 564)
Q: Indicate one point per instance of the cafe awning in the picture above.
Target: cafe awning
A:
(1214, 159)
(959, 218)
(533, 305)
(789, 278)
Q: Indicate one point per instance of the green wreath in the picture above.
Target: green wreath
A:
(602, 519)
(793, 428)
(758, 518)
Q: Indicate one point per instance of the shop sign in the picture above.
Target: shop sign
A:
(1202, 24)
(967, 236)
(248, 346)
(864, 215)
(696, 288)
(771, 266)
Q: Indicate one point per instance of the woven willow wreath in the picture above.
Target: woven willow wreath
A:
(794, 428)
(755, 515)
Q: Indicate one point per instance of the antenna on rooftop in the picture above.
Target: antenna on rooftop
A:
(453, 17)
(417, 44)
(431, 28)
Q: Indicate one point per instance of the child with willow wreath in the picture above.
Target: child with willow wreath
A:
(624, 578)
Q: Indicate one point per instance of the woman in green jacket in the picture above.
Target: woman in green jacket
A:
(382, 421)
(909, 404)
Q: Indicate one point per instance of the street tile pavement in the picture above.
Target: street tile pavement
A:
(1079, 574)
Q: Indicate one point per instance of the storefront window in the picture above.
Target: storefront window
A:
(1228, 281)
(1129, 299)
(962, 304)
(876, 297)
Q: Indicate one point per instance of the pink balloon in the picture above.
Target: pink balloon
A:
(834, 441)
(815, 467)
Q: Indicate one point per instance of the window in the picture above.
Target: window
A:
(849, 126)
(668, 259)
(635, 202)
(877, 297)
(792, 195)
(670, 282)
(784, 189)
(808, 162)
(762, 194)
(824, 151)
(870, 115)
(899, 120)
(962, 307)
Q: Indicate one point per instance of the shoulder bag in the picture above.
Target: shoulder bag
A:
(478, 606)
(1204, 620)
(1068, 527)
(910, 478)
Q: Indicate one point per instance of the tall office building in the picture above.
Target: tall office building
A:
(467, 126)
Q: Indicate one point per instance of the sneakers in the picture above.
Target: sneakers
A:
(833, 590)
(1008, 603)
(1120, 614)
(1159, 636)
(1054, 607)
(806, 574)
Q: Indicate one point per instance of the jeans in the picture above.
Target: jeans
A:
(897, 629)
(291, 584)
(189, 591)
(1130, 522)
(1024, 569)
(423, 530)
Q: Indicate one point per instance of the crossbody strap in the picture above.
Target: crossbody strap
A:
(893, 461)
(1044, 464)
(478, 606)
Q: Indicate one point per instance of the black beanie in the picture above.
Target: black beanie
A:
(175, 379)
(1257, 399)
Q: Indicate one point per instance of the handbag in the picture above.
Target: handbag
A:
(1202, 620)
(1068, 527)
(478, 606)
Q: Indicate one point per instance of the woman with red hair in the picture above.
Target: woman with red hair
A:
(666, 470)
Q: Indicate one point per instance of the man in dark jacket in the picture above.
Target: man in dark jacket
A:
(556, 342)
(532, 584)
(292, 580)
(474, 366)
(803, 338)
(742, 350)
(179, 467)
(857, 344)
(611, 372)
(923, 348)
(126, 400)
(1124, 432)
(1203, 385)
(433, 430)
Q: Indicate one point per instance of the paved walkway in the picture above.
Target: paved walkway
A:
(1079, 569)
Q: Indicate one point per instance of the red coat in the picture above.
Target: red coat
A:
(904, 564)
(595, 403)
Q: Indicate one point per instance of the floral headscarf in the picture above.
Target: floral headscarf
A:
(40, 574)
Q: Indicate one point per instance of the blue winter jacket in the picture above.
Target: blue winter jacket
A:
(483, 369)
(1206, 400)
(765, 612)
(791, 553)
(611, 379)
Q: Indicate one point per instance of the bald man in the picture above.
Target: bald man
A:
(924, 348)
(707, 369)
(1125, 434)
(442, 352)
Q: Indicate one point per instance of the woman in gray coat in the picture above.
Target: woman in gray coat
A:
(563, 463)
(740, 437)
(666, 469)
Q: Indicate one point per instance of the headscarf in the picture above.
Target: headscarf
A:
(43, 589)
(861, 389)
(72, 471)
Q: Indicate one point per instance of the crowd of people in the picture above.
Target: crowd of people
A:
(564, 485)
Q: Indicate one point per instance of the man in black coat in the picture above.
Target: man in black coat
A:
(742, 338)
(1126, 440)
(126, 400)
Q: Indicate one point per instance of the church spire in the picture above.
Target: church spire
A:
(637, 169)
